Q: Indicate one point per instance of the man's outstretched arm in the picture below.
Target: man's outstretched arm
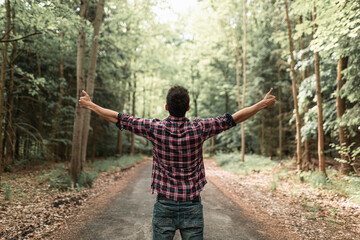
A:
(245, 113)
(107, 114)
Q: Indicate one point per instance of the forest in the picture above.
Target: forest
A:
(126, 58)
(228, 54)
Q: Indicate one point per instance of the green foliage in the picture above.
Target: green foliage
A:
(254, 163)
(347, 185)
(59, 178)
(313, 209)
(350, 152)
(196, 51)
(7, 192)
(86, 178)
(110, 165)
(316, 179)
(273, 186)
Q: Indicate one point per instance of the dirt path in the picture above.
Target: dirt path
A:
(128, 215)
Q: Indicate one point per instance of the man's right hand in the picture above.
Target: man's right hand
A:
(269, 99)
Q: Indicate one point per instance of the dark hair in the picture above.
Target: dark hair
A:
(177, 100)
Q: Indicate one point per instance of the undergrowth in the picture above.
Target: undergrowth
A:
(60, 177)
(348, 186)
(252, 164)
(110, 165)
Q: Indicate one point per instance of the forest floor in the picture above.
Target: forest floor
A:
(37, 211)
(293, 209)
(43, 213)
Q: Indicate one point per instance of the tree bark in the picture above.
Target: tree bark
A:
(321, 154)
(93, 148)
(244, 85)
(294, 91)
(119, 145)
(237, 75)
(262, 134)
(212, 148)
(226, 102)
(279, 109)
(132, 150)
(340, 110)
(306, 160)
(3, 77)
(91, 76)
(11, 135)
(40, 123)
(55, 122)
(76, 163)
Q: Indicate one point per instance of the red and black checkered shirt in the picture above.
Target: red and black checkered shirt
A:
(178, 167)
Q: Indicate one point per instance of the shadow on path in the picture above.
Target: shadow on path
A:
(129, 215)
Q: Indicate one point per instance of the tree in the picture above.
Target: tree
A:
(3, 76)
(244, 83)
(91, 75)
(340, 110)
(294, 89)
(319, 106)
(76, 153)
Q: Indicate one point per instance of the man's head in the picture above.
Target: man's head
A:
(177, 101)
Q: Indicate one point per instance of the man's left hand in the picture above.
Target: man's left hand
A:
(85, 100)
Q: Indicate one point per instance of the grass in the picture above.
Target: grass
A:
(60, 177)
(110, 165)
(252, 164)
(348, 186)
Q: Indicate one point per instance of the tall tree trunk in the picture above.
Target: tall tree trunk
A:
(294, 91)
(132, 150)
(279, 108)
(212, 148)
(76, 163)
(144, 102)
(237, 75)
(340, 110)
(244, 85)
(11, 135)
(306, 160)
(41, 130)
(93, 148)
(321, 154)
(3, 77)
(91, 76)
(55, 122)
(119, 143)
(226, 101)
(262, 134)
(195, 93)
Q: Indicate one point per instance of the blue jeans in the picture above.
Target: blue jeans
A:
(171, 215)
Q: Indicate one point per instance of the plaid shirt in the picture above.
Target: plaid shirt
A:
(178, 168)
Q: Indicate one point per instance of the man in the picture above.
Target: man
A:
(178, 174)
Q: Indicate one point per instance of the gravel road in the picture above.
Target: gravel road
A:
(129, 215)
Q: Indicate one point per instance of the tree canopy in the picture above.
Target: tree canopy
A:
(139, 57)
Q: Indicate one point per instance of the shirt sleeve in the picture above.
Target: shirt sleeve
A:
(213, 126)
(138, 126)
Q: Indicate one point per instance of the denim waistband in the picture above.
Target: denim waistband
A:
(163, 197)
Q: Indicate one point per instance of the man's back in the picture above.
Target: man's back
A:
(178, 168)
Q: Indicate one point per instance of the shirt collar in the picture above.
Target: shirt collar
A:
(176, 119)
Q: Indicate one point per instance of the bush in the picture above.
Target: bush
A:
(316, 179)
(59, 178)
(253, 163)
(86, 178)
(7, 192)
(110, 165)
